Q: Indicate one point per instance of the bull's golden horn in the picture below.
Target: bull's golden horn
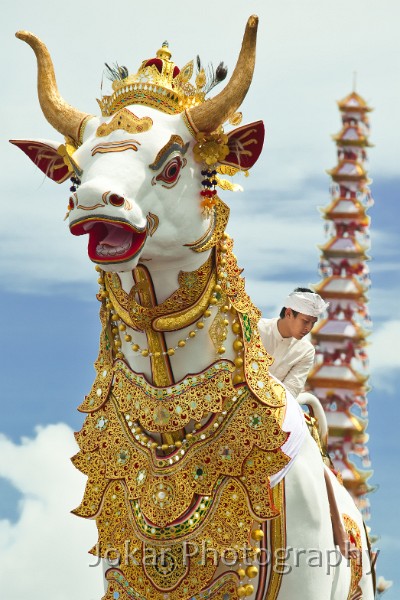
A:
(63, 117)
(213, 113)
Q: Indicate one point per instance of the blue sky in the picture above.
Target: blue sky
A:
(308, 51)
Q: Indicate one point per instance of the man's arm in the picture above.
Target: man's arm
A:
(296, 377)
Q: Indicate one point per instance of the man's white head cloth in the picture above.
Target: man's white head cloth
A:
(306, 303)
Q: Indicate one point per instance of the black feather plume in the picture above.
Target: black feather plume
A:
(116, 72)
(215, 77)
(221, 72)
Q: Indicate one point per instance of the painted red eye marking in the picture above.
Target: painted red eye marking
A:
(116, 200)
(170, 172)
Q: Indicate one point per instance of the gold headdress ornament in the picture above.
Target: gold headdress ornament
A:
(158, 83)
(162, 90)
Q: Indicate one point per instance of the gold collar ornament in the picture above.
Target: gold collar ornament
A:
(174, 313)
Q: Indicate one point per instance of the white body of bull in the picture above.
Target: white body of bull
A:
(311, 566)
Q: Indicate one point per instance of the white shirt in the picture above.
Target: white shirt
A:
(293, 358)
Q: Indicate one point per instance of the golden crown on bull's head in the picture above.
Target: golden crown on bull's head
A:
(159, 83)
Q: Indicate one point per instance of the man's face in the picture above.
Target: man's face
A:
(299, 325)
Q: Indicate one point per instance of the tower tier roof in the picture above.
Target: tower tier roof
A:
(342, 423)
(337, 329)
(346, 247)
(344, 208)
(336, 376)
(348, 170)
(341, 288)
(353, 102)
(351, 135)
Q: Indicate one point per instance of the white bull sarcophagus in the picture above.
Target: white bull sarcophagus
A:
(202, 477)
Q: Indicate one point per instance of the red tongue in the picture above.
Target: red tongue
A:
(116, 236)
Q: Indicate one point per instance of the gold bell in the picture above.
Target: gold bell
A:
(257, 534)
(237, 345)
(236, 328)
(251, 571)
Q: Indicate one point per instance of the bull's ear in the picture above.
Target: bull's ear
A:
(245, 145)
(45, 154)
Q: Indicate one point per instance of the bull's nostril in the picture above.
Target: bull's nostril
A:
(116, 200)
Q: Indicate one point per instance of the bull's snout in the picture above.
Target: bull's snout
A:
(116, 227)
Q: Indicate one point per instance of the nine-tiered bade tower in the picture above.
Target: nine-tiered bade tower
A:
(339, 377)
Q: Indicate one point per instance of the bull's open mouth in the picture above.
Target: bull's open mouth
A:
(110, 241)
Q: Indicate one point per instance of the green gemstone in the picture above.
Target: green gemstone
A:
(160, 415)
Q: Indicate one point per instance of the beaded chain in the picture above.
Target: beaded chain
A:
(181, 445)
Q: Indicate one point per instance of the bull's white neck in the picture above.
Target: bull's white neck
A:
(199, 351)
(165, 275)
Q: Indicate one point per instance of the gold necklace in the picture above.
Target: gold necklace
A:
(116, 302)
(178, 309)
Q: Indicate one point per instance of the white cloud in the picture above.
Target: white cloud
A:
(268, 295)
(389, 543)
(383, 351)
(384, 302)
(44, 554)
(269, 244)
(385, 357)
(38, 252)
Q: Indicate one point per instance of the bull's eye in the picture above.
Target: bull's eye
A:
(116, 200)
(170, 172)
